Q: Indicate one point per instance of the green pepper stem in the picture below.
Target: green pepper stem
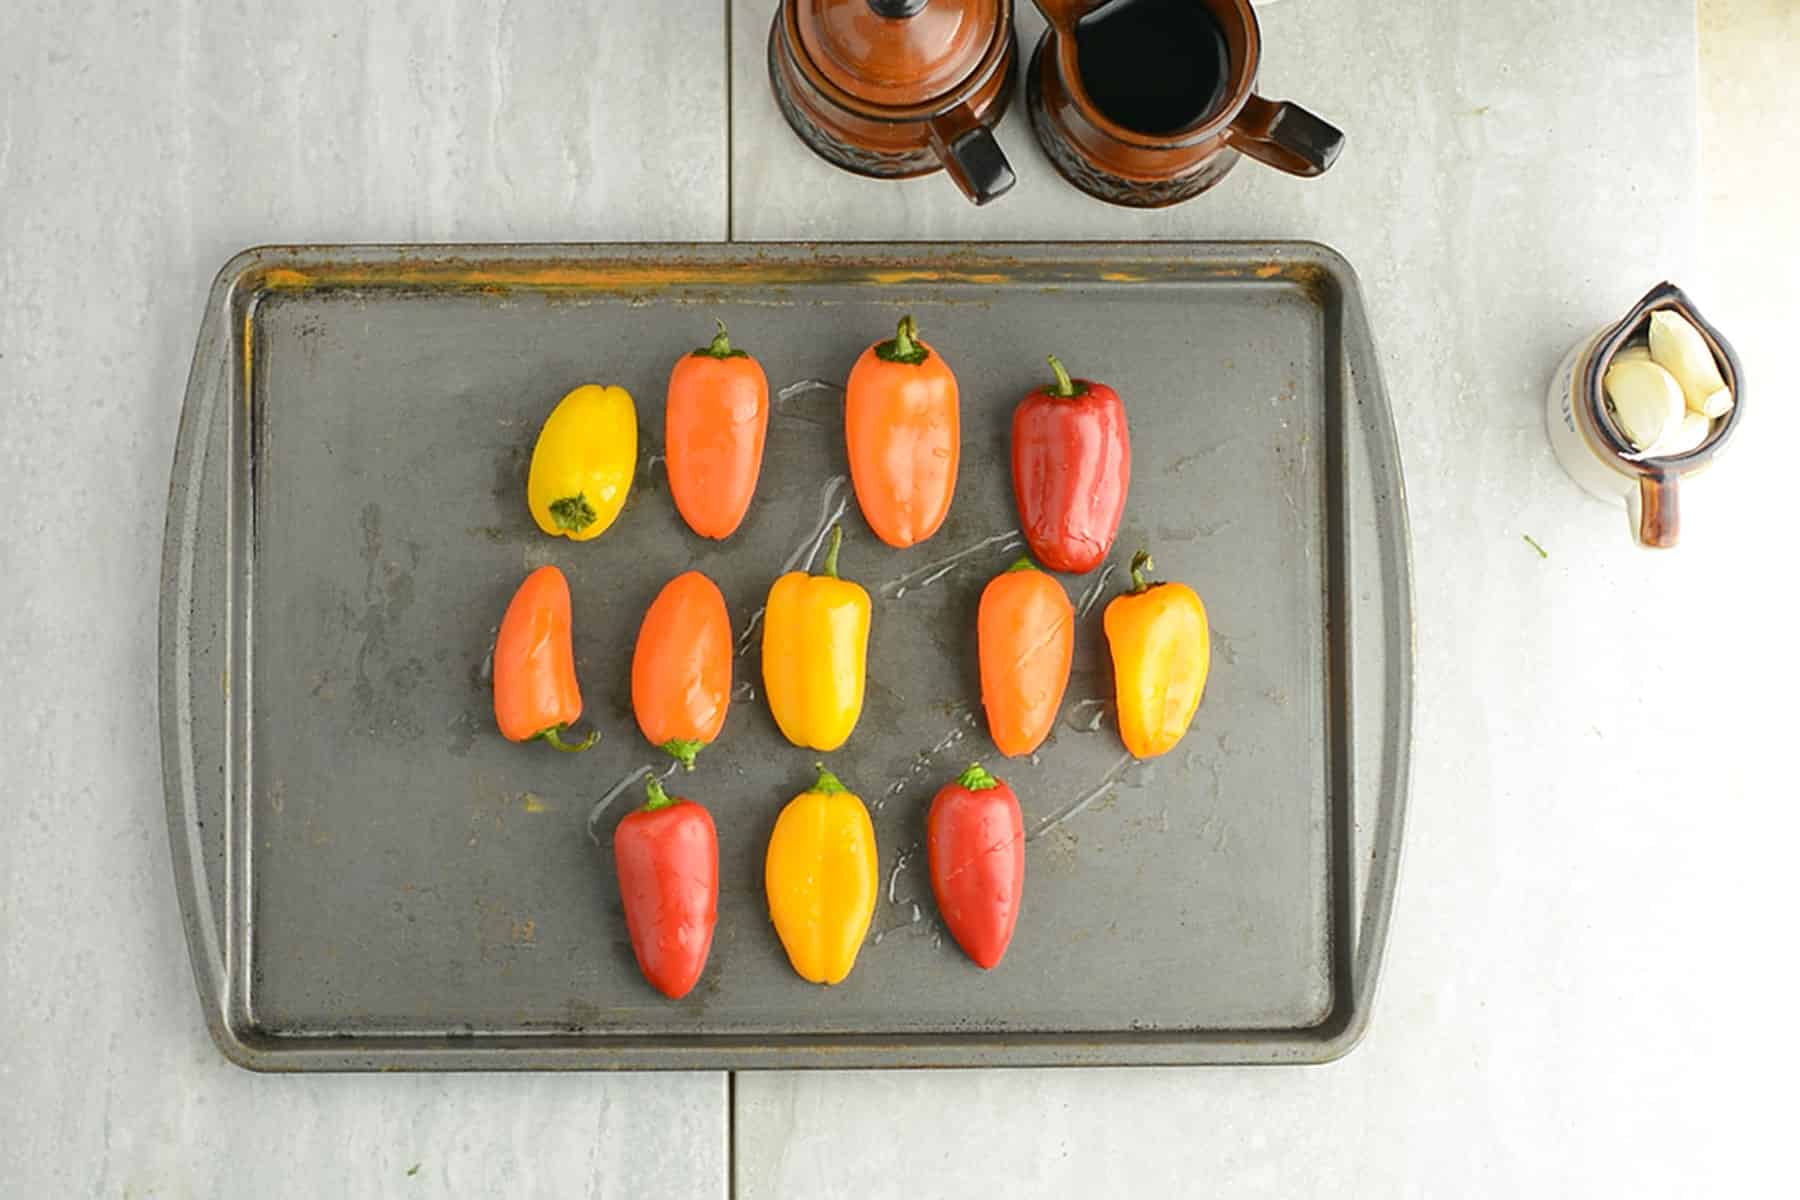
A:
(1023, 564)
(1141, 565)
(827, 784)
(553, 736)
(657, 798)
(720, 346)
(573, 514)
(1064, 388)
(976, 779)
(682, 750)
(830, 569)
(905, 346)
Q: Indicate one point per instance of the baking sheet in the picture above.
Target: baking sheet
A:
(373, 878)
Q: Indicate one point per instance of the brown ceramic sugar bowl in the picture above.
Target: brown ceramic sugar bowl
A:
(1176, 152)
(897, 88)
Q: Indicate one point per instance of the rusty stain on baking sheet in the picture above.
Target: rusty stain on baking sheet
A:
(500, 277)
(893, 277)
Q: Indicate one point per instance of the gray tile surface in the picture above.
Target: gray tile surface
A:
(1516, 174)
(139, 147)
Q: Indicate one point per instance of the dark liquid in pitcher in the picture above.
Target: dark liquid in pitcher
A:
(1156, 66)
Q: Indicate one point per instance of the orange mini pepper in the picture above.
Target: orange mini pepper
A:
(1025, 639)
(902, 433)
(681, 668)
(535, 693)
(1161, 651)
(714, 425)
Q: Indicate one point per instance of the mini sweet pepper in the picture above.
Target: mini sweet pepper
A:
(583, 463)
(536, 696)
(820, 875)
(1161, 650)
(814, 653)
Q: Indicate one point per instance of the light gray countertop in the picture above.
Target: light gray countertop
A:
(1581, 920)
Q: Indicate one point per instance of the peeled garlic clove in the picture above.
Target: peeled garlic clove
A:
(1684, 438)
(1636, 352)
(1646, 402)
(1678, 347)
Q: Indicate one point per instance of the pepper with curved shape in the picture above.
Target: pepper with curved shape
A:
(1161, 652)
(536, 696)
(583, 463)
(820, 876)
(814, 653)
(904, 437)
(681, 667)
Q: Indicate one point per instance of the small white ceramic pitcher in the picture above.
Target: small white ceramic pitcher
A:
(1593, 450)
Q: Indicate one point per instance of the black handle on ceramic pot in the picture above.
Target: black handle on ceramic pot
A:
(896, 10)
(1285, 136)
(971, 155)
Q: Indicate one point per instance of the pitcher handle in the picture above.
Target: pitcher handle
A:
(1285, 136)
(972, 155)
(1655, 508)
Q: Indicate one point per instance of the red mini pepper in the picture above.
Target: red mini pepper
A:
(975, 839)
(1071, 468)
(667, 853)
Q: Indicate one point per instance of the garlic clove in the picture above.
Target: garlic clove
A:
(1684, 438)
(1636, 352)
(1677, 346)
(1646, 402)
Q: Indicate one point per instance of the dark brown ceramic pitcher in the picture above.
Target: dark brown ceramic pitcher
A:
(1148, 168)
(895, 88)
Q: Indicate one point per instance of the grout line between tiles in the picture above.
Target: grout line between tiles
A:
(730, 140)
(731, 1171)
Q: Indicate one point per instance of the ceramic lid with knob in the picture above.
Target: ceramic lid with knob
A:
(896, 53)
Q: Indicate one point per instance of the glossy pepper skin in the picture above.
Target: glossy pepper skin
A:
(820, 875)
(975, 839)
(904, 437)
(681, 667)
(1161, 651)
(1025, 638)
(814, 653)
(535, 693)
(583, 463)
(715, 422)
(1071, 469)
(667, 856)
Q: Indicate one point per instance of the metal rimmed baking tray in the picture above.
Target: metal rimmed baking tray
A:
(371, 878)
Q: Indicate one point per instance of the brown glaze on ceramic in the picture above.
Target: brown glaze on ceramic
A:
(1658, 479)
(894, 61)
(895, 88)
(1146, 170)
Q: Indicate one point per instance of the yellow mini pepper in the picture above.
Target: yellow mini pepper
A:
(1161, 651)
(583, 463)
(820, 876)
(815, 646)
